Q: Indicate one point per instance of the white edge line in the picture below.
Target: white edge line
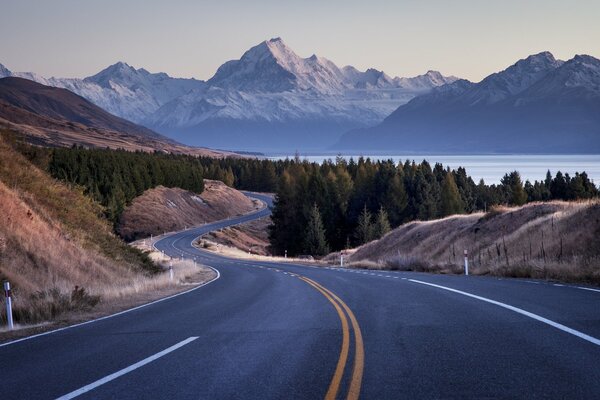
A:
(126, 370)
(539, 318)
(587, 288)
(140, 306)
(116, 314)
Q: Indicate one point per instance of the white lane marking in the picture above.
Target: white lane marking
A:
(587, 288)
(116, 314)
(531, 315)
(559, 285)
(124, 371)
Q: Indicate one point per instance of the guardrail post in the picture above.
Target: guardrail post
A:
(9, 315)
(466, 262)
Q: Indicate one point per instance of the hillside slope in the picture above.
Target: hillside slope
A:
(558, 240)
(164, 209)
(57, 117)
(52, 240)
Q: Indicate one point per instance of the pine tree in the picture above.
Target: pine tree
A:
(513, 185)
(382, 224)
(364, 230)
(314, 239)
(451, 202)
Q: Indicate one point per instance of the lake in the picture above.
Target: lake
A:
(490, 168)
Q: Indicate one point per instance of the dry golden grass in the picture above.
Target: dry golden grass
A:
(555, 240)
(58, 253)
(164, 209)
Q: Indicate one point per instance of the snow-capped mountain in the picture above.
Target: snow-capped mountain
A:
(270, 98)
(120, 89)
(537, 105)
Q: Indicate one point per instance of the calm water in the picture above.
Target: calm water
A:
(492, 167)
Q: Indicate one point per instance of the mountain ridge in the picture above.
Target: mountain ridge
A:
(268, 95)
(537, 105)
(53, 116)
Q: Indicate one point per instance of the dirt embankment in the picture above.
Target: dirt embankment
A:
(163, 209)
(556, 240)
(251, 237)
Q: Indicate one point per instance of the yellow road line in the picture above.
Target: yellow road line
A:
(359, 352)
(334, 386)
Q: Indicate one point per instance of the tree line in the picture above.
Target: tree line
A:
(340, 204)
(319, 206)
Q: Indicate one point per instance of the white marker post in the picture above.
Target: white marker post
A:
(9, 316)
(466, 262)
(171, 270)
(342, 259)
(285, 255)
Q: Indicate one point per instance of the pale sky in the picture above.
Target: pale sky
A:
(185, 38)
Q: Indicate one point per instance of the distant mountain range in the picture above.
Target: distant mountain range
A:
(53, 116)
(538, 105)
(269, 99)
(273, 100)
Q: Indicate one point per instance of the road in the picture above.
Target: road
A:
(280, 331)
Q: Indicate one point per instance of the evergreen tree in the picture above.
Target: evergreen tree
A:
(513, 186)
(382, 224)
(451, 201)
(364, 229)
(314, 238)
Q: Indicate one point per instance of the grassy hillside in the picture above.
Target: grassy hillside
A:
(55, 248)
(555, 240)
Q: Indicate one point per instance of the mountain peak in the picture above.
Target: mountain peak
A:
(119, 71)
(540, 60)
(4, 72)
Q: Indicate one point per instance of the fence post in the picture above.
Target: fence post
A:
(9, 316)
(466, 262)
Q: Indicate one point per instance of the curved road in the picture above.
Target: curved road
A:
(282, 331)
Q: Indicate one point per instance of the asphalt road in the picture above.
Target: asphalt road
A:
(279, 331)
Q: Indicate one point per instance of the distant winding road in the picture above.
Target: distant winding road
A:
(266, 330)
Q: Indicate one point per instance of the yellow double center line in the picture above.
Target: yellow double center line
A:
(359, 352)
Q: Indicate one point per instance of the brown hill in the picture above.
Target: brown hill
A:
(57, 117)
(52, 239)
(164, 209)
(556, 240)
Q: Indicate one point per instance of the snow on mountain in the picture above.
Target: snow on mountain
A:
(537, 105)
(4, 72)
(270, 83)
(120, 89)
